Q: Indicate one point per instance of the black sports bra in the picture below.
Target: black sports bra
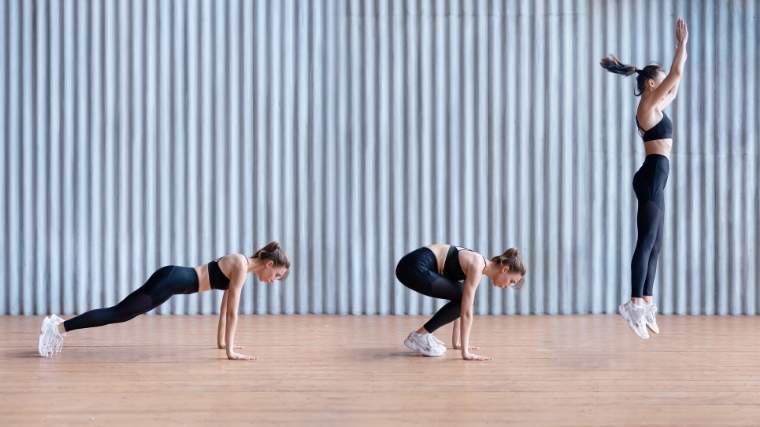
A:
(216, 278)
(662, 130)
(451, 267)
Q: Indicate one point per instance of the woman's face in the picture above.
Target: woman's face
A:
(270, 273)
(655, 82)
(506, 278)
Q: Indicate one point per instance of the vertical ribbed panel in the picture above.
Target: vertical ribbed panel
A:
(140, 133)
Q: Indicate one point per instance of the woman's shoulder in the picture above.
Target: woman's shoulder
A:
(473, 257)
(232, 260)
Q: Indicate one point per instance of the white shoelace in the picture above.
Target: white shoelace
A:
(429, 342)
(58, 342)
(650, 313)
(437, 341)
(52, 342)
(639, 318)
(58, 336)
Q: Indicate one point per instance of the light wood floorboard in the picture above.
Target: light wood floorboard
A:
(355, 371)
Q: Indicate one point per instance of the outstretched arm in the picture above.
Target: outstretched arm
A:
(455, 337)
(223, 324)
(233, 299)
(667, 90)
(670, 97)
(468, 299)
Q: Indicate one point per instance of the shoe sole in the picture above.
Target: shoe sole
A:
(656, 331)
(623, 313)
(414, 347)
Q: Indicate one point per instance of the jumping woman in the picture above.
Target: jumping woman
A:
(657, 91)
(227, 273)
(438, 271)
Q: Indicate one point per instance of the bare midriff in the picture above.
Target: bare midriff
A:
(440, 252)
(659, 146)
(203, 282)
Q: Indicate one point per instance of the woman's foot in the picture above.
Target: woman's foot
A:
(635, 315)
(50, 341)
(651, 309)
(424, 343)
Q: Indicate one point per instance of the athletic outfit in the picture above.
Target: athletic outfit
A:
(649, 186)
(162, 285)
(418, 271)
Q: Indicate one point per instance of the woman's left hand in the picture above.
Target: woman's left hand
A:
(470, 356)
(682, 32)
(236, 356)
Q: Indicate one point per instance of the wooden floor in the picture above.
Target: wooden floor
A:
(355, 370)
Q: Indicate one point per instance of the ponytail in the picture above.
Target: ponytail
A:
(612, 64)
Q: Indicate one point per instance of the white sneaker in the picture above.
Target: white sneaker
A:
(57, 320)
(439, 342)
(635, 316)
(651, 309)
(50, 341)
(423, 343)
(42, 346)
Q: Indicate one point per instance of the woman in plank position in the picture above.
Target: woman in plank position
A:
(227, 273)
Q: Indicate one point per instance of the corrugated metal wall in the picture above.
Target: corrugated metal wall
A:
(141, 133)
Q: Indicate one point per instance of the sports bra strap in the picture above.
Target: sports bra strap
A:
(484, 258)
(246, 259)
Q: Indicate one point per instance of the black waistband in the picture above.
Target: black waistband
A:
(197, 280)
(652, 157)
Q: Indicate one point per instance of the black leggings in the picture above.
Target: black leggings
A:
(165, 282)
(418, 271)
(649, 185)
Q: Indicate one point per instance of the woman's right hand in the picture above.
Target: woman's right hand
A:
(470, 356)
(682, 32)
(237, 356)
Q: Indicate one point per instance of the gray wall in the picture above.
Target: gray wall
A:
(143, 133)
